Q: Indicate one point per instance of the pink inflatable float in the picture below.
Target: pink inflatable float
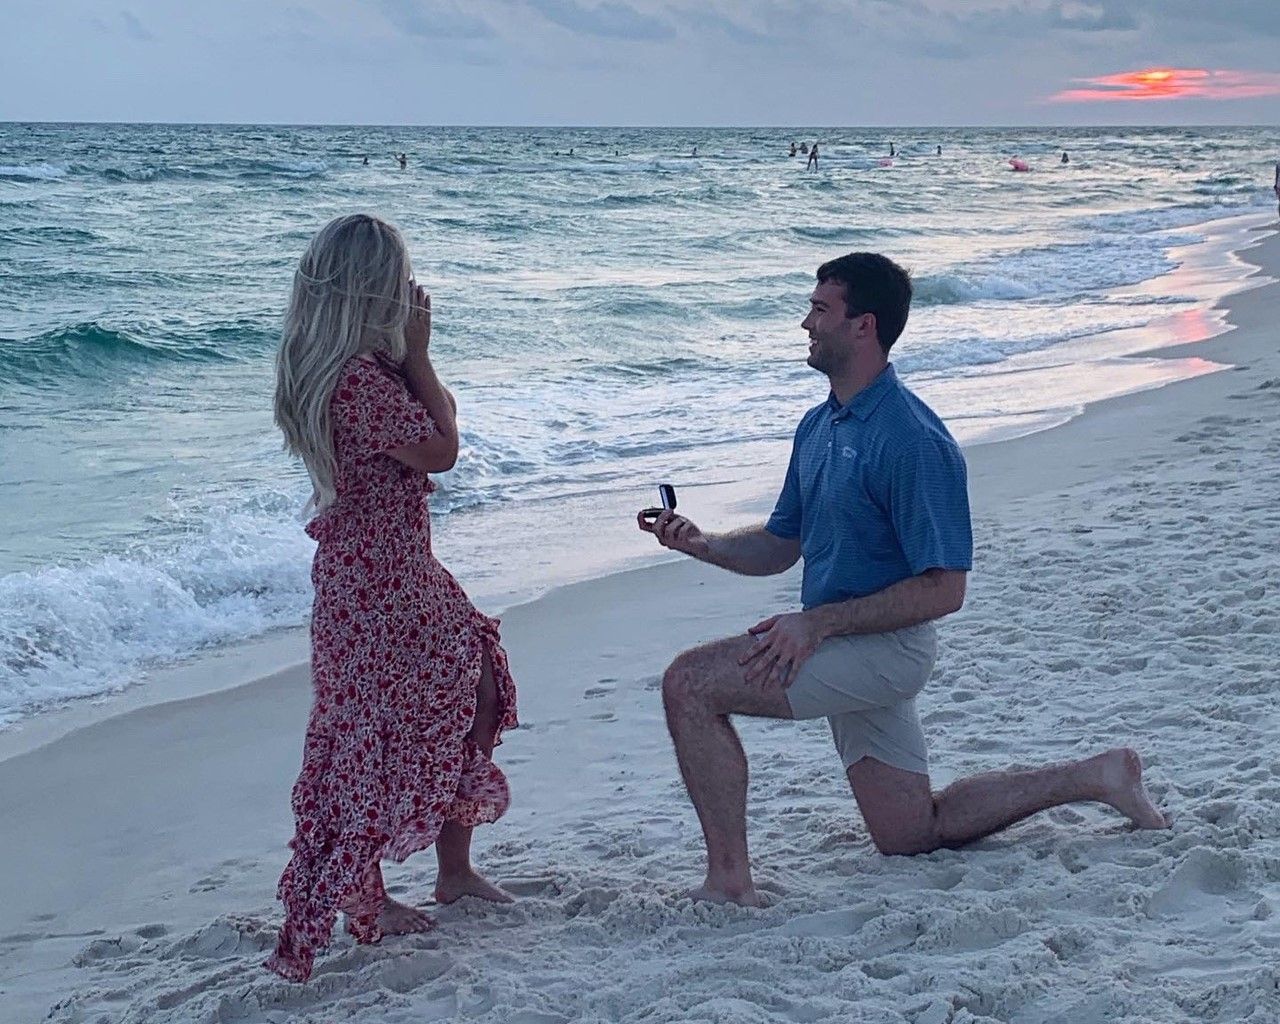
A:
(1019, 165)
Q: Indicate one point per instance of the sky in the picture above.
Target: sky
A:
(643, 62)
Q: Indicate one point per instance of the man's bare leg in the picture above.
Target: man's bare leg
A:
(456, 877)
(699, 692)
(904, 816)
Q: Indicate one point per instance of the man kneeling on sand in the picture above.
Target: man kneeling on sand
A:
(875, 502)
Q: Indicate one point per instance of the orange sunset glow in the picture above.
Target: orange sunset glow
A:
(1172, 84)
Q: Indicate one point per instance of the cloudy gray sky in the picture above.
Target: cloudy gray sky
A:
(641, 62)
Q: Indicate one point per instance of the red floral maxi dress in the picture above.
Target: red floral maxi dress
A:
(396, 654)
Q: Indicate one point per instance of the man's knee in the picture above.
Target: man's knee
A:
(898, 842)
(898, 806)
(680, 682)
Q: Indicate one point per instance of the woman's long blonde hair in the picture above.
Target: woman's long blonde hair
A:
(350, 296)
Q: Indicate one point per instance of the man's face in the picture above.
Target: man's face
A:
(833, 336)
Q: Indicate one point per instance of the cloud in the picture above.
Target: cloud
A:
(713, 21)
(431, 20)
(610, 20)
(1172, 84)
(134, 28)
(1093, 17)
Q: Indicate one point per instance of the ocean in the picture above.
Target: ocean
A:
(610, 309)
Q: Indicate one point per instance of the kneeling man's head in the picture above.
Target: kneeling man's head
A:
(857, 311)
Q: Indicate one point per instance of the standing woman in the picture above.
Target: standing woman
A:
(411, 685)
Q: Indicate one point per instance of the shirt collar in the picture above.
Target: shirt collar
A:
(864, 403)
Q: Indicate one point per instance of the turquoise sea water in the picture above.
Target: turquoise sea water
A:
(609, 318)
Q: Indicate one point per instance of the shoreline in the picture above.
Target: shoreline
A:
(144, 848)
(1214, 264)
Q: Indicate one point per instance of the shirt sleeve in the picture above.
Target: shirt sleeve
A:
(929, 507)
(373, 412)
(785, 521)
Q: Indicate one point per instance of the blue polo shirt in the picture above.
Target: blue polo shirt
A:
(876, 492)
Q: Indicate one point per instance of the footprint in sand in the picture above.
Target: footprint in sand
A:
(1204, 876)
(223, 937)
(107, 949)
(590, 902)
(830, 923)
(414, 969)
(532, 886)
(151, 931)
(946, 879)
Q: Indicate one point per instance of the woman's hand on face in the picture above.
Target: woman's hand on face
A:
(417, 332)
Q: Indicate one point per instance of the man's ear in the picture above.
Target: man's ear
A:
(868, 326)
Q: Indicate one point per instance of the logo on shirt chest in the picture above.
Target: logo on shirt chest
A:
(847, 451)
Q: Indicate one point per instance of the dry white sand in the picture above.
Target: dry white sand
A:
(1127, 590)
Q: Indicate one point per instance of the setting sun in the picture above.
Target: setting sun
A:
(1172, 84)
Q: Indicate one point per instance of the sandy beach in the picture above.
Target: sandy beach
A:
(1126, 591)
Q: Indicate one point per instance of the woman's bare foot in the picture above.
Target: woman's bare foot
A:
(1120, 775)
(400, 919)
(709, 893)
(451, 888)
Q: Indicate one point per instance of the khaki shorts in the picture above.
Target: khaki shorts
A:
(865, 686)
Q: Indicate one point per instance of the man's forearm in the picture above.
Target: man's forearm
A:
(751, 551)
(910, 602)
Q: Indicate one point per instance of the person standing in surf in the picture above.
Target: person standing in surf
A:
(411, 684)
(1276, 187)
(812, 165)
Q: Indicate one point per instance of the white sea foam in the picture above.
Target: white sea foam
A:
(32, 172)
(74, 631)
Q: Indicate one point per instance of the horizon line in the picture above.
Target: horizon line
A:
(622, 127)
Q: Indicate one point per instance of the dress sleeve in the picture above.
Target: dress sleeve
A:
(374, 412)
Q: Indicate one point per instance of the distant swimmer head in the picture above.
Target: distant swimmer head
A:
(350, 296)
(1019, 165)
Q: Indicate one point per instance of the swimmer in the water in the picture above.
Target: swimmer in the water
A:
(1065, 159)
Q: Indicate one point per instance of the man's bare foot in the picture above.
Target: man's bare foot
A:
(709, 893)
(1120, 776)
(399, 919)
(450, 889)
